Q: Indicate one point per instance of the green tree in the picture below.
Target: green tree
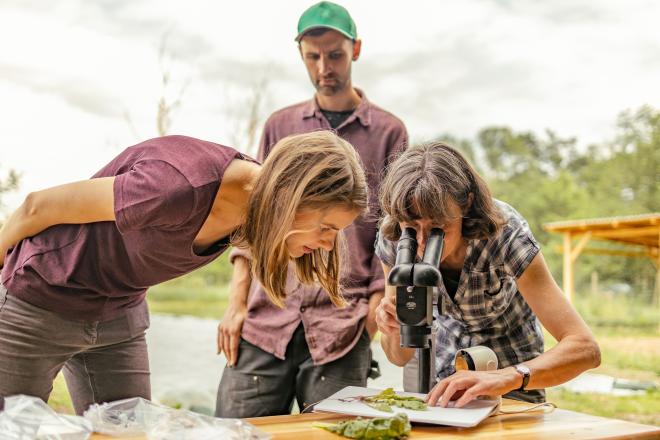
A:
(548, 179)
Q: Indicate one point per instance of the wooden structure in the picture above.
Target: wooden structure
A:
(560, 424)
(640, 232)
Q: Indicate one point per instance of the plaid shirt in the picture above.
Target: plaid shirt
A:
(487, 309)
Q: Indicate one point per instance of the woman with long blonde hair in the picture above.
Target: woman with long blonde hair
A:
(77, 259)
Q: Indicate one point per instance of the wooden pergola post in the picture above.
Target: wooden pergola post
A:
(570, 256)
(657, 276)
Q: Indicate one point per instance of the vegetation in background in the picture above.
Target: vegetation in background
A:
(7, 184)
(547, 179)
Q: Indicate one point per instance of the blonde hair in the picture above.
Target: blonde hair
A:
(317, 170)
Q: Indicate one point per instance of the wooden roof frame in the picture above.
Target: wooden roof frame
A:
(640, 231)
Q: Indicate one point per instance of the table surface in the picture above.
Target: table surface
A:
(558, 424)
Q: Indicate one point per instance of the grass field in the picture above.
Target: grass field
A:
(627, 332)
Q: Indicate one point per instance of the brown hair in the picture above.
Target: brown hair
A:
(317, 170)
(317, 32)
(424, 178)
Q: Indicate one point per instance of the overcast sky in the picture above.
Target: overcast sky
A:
(80, 79)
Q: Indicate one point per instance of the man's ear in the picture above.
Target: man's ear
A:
(357, 46)
(300, 50)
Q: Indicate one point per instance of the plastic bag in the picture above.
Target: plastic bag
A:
(137, 416)
(28, 418)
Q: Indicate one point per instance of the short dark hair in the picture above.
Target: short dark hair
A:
(424, 178)
(317, 32)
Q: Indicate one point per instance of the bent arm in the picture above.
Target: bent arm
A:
(576, 349)
(86, 201)
(575, 352)
(388, 325)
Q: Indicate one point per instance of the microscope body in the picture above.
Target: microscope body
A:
(414, 282)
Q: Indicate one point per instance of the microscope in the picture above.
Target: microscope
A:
(414, 282)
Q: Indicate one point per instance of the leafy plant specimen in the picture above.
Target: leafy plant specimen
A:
(388, 398)
(386, 428)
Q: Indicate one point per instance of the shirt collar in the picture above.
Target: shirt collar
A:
(362, 112)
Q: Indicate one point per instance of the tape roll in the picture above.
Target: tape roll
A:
(478, 358)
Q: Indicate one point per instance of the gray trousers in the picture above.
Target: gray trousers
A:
(262, 385)
(102, 361)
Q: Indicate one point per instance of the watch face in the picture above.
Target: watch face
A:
(524, 369)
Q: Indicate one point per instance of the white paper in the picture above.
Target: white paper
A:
(470, 415)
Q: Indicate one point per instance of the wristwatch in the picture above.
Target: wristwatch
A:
(525, 372)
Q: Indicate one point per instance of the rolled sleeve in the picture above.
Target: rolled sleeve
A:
(237, 252)
(522, 250)
(519, 247)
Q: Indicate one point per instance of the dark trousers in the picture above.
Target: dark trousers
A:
(262, 385)
(102, 361)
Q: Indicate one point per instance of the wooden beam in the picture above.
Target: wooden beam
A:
(580, 246)
(576, 226)
(649, 231)
(648, 253)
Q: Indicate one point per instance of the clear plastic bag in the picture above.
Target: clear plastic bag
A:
(29, 418)
(137, 416)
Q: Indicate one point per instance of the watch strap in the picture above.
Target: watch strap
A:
(523, 370)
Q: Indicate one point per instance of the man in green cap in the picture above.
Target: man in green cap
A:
(311, 349)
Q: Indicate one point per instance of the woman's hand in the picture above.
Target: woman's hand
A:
(386, 316)
(464, 386)
(229, 332)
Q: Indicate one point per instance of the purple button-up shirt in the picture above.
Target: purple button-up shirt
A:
(331, 332)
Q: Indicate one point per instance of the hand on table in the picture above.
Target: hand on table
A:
(464, 386)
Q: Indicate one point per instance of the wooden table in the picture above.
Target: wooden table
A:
(559, 424)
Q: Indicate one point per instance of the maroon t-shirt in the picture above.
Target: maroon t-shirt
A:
(164, 191)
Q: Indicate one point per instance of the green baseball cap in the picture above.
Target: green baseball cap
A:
(327, 15)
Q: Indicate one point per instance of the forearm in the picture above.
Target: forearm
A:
(86, 201)
(22, 223)
(240, 283)
(370, 322)
(395, 353)
(576, 349)
(569, 358)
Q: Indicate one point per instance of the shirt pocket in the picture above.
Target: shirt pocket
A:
(489, 296)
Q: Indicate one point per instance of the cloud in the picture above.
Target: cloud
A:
(75, 91)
